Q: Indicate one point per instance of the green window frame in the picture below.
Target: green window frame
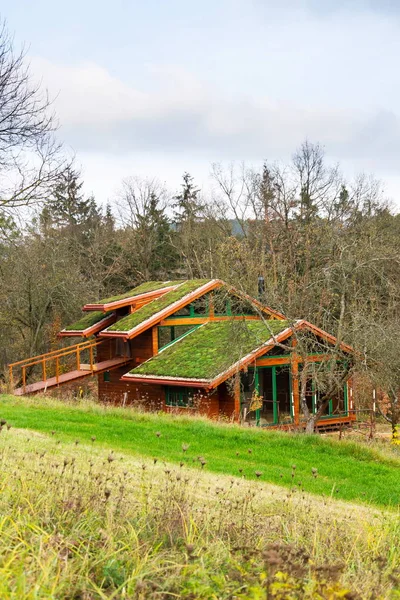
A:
(179, 397)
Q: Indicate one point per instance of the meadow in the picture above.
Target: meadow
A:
(346, 469)
(114, 504)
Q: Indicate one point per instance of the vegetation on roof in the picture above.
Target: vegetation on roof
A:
(153, 307)
(88, 320)
(210, 349)
(143, 288)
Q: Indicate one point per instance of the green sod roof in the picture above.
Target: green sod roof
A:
(210, 349)
(148, 286)
(88, 320)
(153, 307)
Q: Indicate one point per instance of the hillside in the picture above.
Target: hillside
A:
(81, 521)
(347, 470)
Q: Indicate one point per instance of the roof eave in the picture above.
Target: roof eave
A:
(303, 324)
(89, 331)
(130, 300)
(165, 380)
(165, 312)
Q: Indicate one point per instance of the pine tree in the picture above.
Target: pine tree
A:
(188, 208)
(68, 210)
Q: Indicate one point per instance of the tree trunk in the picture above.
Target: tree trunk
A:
(310, 424)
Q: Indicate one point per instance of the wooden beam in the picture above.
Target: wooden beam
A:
(211, 306)
(286, 360)
(237, 398)
(295, 384)
(154, 340)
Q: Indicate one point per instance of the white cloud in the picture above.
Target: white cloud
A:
(99, 111)
(184, 120)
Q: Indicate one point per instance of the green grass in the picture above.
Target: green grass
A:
(143, 288)
(210, 350)
(87, 320)
(346, 470)
(153, 307)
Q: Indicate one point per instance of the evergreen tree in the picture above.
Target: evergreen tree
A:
(68, 210)
(188, 208)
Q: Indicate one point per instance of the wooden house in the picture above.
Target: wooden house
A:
(193, 346)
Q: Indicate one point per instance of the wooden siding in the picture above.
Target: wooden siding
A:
(114, 390)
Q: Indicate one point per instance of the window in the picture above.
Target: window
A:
(179, 397)
(122, 348)
(168, 334)
(106, 376)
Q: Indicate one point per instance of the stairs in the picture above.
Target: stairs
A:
(55, 358)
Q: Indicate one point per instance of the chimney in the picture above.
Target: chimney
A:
(261, 287)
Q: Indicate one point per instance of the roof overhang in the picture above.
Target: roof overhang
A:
(179, 381)
(165, 312)
(138, 300)
(89, 331)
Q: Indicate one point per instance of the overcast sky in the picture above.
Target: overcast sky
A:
(157, 87)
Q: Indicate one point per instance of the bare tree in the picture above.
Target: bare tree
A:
(30, 156)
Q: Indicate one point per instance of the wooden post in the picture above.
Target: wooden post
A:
(295, 384)
(257, 389)
(274, 396)
(211, 307)
(154, 338)
(11, 378)
(44, 369)
(91, 358)
(23, 379)
(57, 369)
(237, 397)
(78, 359)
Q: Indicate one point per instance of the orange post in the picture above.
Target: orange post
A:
(57, 369)
(237, 397)
(91, 358)
(23, 378)
(154, 338)
(211, 307)
(78, 358)
(44, 369)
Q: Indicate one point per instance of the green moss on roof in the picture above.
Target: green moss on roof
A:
(87, 320)
(153, 307)
(148, 286)
(211, 349)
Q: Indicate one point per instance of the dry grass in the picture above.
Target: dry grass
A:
(81, 522)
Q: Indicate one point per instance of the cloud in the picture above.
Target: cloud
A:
(99, 112)
(181, 123)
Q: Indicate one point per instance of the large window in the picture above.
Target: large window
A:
(179, 397)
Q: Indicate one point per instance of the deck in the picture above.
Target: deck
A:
(71, 376)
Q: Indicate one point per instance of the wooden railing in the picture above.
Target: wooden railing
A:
(55, 356)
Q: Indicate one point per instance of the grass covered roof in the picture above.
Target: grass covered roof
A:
(145, 312)
(210, 349)
(143, 288)
(88, 320)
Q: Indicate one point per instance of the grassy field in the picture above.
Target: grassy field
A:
(346, 470)
(79, 522)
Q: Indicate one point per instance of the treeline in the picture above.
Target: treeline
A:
(328, 250)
